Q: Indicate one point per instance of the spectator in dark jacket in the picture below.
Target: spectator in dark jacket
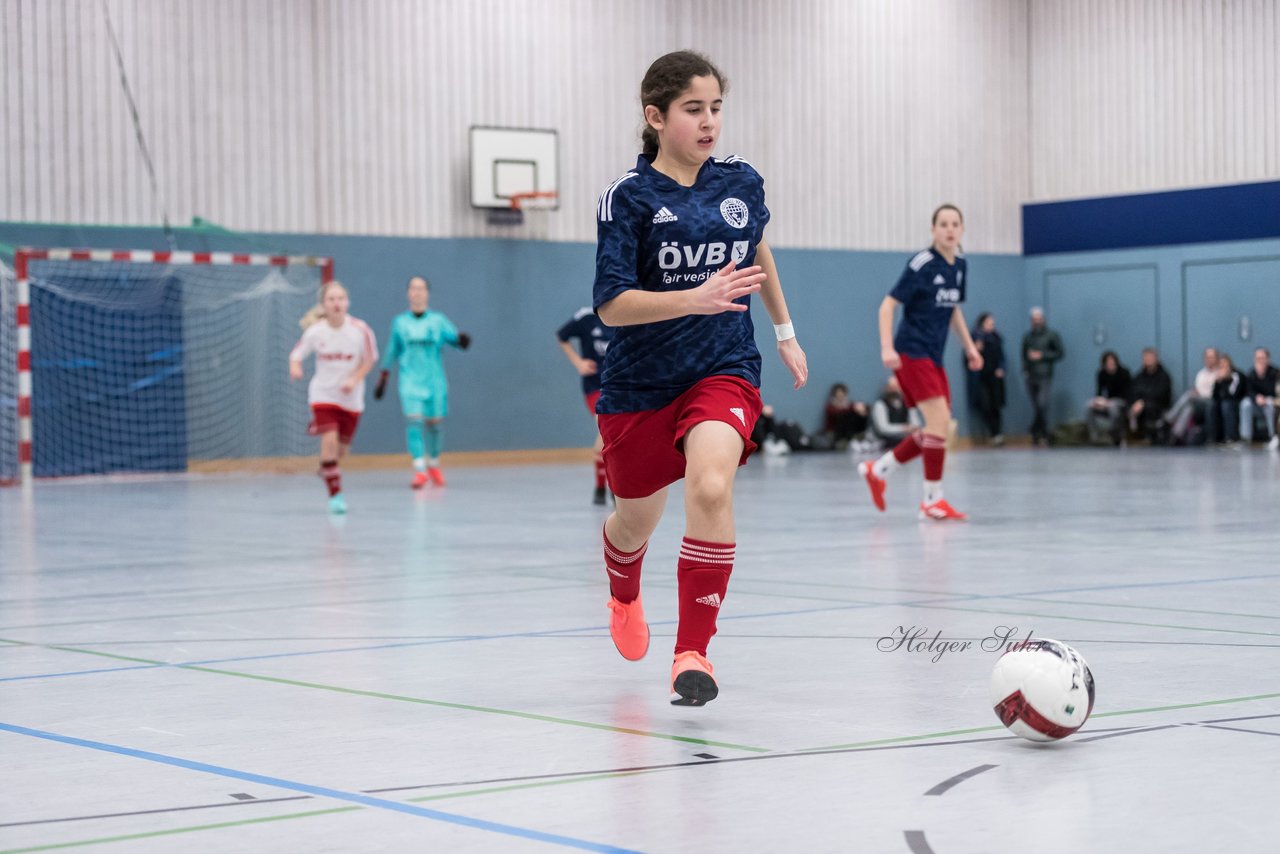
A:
(1041, 349)
(1222, 421)
(1105, 410)
(988, 382)
(891, 420)
(1260, 397)
(1150, 395)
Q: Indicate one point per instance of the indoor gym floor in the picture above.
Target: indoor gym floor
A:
(215, 664)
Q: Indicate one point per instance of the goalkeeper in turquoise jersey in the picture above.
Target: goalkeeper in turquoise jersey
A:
(416, 339)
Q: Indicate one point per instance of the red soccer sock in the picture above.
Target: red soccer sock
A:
(624, 571)
(703, 578)
(600, 478)
(909, 448)
(935, 454)
(332, 476)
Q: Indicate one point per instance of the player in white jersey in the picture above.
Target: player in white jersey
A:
(345, 352)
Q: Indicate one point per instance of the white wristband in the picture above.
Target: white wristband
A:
(784, 331)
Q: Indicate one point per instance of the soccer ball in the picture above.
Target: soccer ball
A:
(1042, 690)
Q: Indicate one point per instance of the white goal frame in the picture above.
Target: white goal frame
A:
(25, 256)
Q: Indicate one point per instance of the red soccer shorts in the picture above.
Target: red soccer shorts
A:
(921, 379)
(592, 398)
(644, 451)
(328, 418)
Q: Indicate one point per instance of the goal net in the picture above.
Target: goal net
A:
(119, 361)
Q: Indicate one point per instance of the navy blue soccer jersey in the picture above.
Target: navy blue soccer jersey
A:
(929, 289)
(593, 341)
(657, 235)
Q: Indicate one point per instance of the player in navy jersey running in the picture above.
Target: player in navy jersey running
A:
(930, 291)
(593, 341)
(680, 250)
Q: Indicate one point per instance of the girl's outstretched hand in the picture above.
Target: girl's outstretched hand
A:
(717, 294)
(793, 357)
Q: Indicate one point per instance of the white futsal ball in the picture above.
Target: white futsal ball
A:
(1042, 690)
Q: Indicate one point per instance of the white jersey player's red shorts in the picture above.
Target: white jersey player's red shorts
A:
(644, 451)
(327, 418)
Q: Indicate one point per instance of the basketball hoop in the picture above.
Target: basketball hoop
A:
(514, 215)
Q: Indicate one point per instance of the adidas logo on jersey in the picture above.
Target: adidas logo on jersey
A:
(665, 215)
(713, 600)
(938, 280)
(736, 410)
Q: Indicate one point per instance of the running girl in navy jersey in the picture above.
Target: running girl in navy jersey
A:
(930, 291)
(593, 342)
(680, 250)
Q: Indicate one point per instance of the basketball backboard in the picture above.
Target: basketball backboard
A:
(510, 161)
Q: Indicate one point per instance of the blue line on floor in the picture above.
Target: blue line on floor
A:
(320, 791)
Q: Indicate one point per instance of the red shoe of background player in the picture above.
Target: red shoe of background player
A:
(874, 483)
(941, 511)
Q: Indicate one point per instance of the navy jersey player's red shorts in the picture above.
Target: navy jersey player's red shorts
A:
(921, 379)
(328, 418)
(643, 451)
(592, 398)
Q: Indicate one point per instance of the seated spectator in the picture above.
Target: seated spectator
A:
(765, 433)
(1105, 410)
(1222, 421)
(1260, 397)
(1192, 406)
(776, 437)
(1150, 394)
(891, 420)
(843, 419)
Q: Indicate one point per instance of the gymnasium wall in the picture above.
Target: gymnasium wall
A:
(514, 388)
(344, 116)
(1179, 299)
(1129, 96)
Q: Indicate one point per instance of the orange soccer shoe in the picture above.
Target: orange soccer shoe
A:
(419, 479)
(628, 629)
(691, 681)
(874, 483)
(941, 511)
(437, 476)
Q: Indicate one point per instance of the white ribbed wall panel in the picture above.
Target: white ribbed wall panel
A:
(350, 116)
(1136, 95)
(401, 82)
(864, 116)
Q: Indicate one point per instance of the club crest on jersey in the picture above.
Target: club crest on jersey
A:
(734, 212)
(740, 249)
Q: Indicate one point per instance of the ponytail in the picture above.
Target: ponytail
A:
(315, 314)
(649, 142)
